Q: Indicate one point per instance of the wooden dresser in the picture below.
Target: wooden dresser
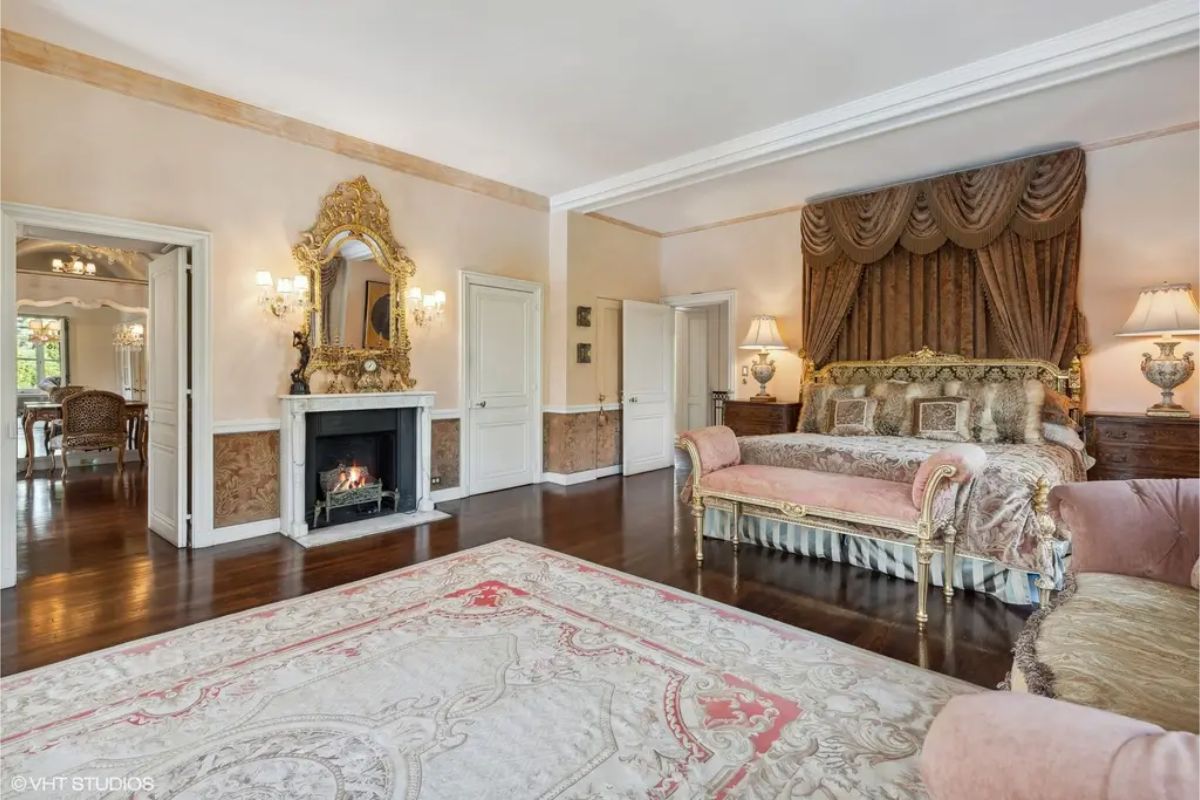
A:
(1138, 446)
(753, 419)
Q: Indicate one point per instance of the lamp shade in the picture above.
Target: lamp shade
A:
(763, 335)
(1165, 309)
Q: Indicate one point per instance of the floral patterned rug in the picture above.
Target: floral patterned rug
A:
(505, 671)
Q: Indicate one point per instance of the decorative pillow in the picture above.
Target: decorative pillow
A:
(942, 418)
(913, 392)
(893, 408)
(1057, 409)
(813, 416)
(852, 416)
(1006, 412)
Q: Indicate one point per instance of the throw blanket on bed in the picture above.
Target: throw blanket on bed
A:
(994, 515)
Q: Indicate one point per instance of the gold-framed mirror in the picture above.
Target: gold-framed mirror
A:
(355, 320)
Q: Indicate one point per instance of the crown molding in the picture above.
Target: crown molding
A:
(1159, 30)
(27, 51)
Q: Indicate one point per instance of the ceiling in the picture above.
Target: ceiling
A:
(558, 97)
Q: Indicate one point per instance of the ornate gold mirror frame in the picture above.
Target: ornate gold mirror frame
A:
(355, 211)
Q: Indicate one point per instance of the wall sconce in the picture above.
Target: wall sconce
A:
(73, 267)
(281, 297)
(425, 308)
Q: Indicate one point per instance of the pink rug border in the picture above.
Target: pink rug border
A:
(725, 610)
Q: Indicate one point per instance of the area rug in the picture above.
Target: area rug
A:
(505, 671)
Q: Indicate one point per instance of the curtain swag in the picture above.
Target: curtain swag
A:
(1003, 238)
(1035, 198)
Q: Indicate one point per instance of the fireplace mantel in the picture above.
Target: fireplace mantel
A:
(295, 409)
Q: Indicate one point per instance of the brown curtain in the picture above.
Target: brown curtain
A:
(830, 291)
(938, 262)
(329, 274)
(907, 301)
(1032, 287)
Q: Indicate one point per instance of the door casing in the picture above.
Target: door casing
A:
(14, 217)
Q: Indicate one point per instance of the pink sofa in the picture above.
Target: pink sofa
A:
(920, 509)
(1116, 660)
(1005, 746)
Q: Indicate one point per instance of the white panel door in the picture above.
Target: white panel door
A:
(502, 385)
(647, 366)
(697, 369)
(167, 352)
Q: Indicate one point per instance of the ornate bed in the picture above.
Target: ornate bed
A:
(1007, 544)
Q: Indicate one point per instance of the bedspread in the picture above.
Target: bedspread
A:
(994, 512)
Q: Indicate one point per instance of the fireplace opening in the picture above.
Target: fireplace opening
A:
(359, 464)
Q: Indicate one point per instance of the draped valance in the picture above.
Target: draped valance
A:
(972, 262)
(1037, 198)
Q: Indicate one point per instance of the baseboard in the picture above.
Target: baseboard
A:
(445, 495)
(583, 476)
(244, 530)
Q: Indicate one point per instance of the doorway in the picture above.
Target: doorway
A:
(178, 440)
(502, 381)
(704, 354)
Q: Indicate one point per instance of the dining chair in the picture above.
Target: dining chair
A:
(54, 427)
(91, 420)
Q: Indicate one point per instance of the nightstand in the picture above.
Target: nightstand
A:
(748, 418)
(1137, 446)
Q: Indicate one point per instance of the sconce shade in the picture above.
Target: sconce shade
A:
(1166, 309)
(263, 278)
(763, 335)
(300, 284)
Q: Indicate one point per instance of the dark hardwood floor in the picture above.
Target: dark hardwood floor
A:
(91, 576)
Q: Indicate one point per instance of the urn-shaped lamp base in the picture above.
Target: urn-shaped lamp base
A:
(1166, 372)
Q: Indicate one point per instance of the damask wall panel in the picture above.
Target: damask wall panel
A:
(579, 442)
(446, 456)
(608, 439)
(245, 477)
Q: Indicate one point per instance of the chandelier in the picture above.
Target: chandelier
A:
(74, 267)
(44, 331)
(129, 336)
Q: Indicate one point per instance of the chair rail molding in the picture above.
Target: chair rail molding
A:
(1156, 31)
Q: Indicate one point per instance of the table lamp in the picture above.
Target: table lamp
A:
(1165, 310)
(763, 337)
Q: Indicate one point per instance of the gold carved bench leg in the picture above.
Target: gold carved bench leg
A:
(924, 557)
(737, 524)
(948, 536)
(698, 520)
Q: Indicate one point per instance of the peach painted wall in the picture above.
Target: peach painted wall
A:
(760, 259)
(255, 193)
(1140, 223)
(603, 260)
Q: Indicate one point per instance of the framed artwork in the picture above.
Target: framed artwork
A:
(376, 316)
(583, 316)
(583, 353)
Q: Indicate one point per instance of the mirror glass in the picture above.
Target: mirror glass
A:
(355, 297)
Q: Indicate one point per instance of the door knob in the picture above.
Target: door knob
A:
(633, 399)
(482, 404)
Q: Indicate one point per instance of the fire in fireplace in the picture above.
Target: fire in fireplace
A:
(359, 463)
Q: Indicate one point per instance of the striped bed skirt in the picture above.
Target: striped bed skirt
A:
(1009, 584)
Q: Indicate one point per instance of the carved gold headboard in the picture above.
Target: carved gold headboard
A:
(929, 365)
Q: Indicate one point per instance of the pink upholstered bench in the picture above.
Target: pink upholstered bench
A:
(921, 509)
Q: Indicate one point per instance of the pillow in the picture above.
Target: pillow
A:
(1007, 412)
(893, 408)
(944, 419)
(1057, 409)
(813, 417)
(1067, 436)
(894, 416)
(852, 416)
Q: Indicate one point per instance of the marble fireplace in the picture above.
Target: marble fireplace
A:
(353, 462)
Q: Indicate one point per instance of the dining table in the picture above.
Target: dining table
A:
(135, 422)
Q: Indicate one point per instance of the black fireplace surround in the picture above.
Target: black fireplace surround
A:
(382, 440)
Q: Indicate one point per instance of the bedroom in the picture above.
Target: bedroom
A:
(525, 401)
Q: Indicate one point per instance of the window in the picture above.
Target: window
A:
(36, 361)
